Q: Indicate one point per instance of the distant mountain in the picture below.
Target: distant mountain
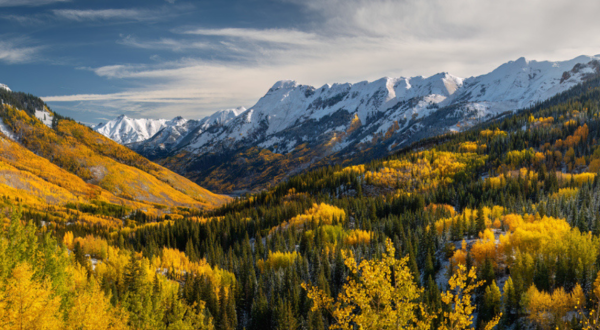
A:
(177, 131)
(296, 126)
(46, 159)
(128, 130)
(2, 86)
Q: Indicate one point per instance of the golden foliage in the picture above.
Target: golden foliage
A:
(357, 236)
(381, 294)
(469, 146)
(501, 180)
(444, 207)
(485, 247)
(427, 171)
(92, 310)
(580, 135)
(541, 122)
(469, 215)
(495, 133)
(579, 179)
(565, 193)
(548, 237)
(549, 310)
(278, 260)
(320, 213)
(28, 305)
(71, 154)
(68, 240)
(462, 286)
(178, 264)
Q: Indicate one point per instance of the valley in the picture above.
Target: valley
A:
(502, 209)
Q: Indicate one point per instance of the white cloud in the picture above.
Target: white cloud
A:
(282, 36)
(352, 40)
(164, 44)
(13, 52)
(103, 14)
(16, 3)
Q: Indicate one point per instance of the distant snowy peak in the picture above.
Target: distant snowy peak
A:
(2, 86)
(221, 117)
(125, 130)
(158, 132)
(523, 81)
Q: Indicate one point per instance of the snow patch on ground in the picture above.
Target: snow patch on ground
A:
(6, 131)
(44, 116)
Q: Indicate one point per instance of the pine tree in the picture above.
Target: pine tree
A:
(480, 219)
(492, 304)
(315, 320)
(510, 299)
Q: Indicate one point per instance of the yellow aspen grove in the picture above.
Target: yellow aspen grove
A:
(28, 305)
(550, 310)
(92, 310)
(462, 287)
(382, 291)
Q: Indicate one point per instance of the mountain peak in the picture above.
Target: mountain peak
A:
(286, 84)
(522, 61)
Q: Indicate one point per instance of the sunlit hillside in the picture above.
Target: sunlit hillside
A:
(62, 161)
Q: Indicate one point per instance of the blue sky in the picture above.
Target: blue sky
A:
(95, 59)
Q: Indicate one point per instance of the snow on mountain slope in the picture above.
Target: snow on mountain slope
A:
(389, 102)
(176, 130)
(518, 84)
(2, 86)
(344, 119)
(125, 130)
(511, 86)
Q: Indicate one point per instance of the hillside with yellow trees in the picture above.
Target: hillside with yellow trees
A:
(68, 162)
(497, 227)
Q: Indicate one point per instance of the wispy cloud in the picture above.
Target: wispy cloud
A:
(24, 20)
(352, 40)
(104, 14)
(16, 3)
(281, 36)
(15, 52)
(164, 44)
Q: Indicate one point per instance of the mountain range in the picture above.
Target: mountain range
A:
(294, 126)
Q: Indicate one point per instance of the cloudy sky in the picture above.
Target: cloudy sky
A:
(95, 59)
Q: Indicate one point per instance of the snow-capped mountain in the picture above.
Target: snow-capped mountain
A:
(399, 104)
(176, 131)
(383, 115)
(125, 130)
(2, 86)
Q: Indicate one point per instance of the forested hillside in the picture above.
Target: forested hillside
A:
(69, 156)
(496, 227)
